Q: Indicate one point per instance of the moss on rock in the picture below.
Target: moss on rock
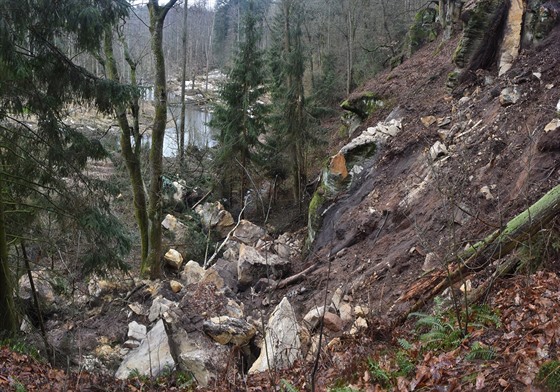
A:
(363, 104)
(480, 22)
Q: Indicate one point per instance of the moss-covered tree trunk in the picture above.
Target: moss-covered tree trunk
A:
(8, 317)
(495, 246)
(130, 154)
(157, 18)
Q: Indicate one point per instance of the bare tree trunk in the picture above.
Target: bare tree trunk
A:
(8, 321)
(183, 87)
(157, 18)
(130, 154)
(209, 50)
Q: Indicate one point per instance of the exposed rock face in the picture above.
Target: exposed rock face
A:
(512, 37)
(350, 159)
(363, 104)
(423, 30)
(281, 346)
(226, 330)
(483, 14)
(151, 357)
(253, 265)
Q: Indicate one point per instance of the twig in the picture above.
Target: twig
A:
(208, 262)
(201, 200)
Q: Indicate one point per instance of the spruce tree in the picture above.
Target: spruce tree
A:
(241, 115)
(41, 164)
(287, 65)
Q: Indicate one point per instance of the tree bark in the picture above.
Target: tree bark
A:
(130, 154)
(157, 18)
(183, 87)
(8, 320)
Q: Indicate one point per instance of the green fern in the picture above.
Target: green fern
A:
(480, 351)
(405, 344)
(549, 375)
(405, 365)
(286, 386)
(378, 375)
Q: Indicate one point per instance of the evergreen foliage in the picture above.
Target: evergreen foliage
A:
(41, 157)
(241, 116)
(287, 68)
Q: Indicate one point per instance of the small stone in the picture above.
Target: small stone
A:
(553, 125)
(361, 311)
(337, 298)
(173, 259)
(159, 308)
(464, 100)
(466, 287)
(549, 86)
(175, 286)
(485, 191)
(442, 122)
(438, 150)
(510, 96)
(226, 330)
(169, 222)
(359, 324)
(313, 317)
(428, 120)
(430, 262)
(333, 322)
(345, 312)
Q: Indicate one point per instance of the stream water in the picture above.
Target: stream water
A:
(196, 124)
(197, 118)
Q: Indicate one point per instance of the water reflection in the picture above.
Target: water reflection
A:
(196, 124)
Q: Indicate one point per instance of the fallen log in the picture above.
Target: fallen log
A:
(295, 278)
(478, 256)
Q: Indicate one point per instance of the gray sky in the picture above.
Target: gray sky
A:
(210, 2)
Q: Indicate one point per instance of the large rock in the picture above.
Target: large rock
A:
(173, 259)
(192, 273)
(281, 346)
(160, 307)
(152, 356)
(223, 274)
(214, 216)
(248, 232)
(43, 288)
(199, 355)
(253, 265)
(226, 330)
